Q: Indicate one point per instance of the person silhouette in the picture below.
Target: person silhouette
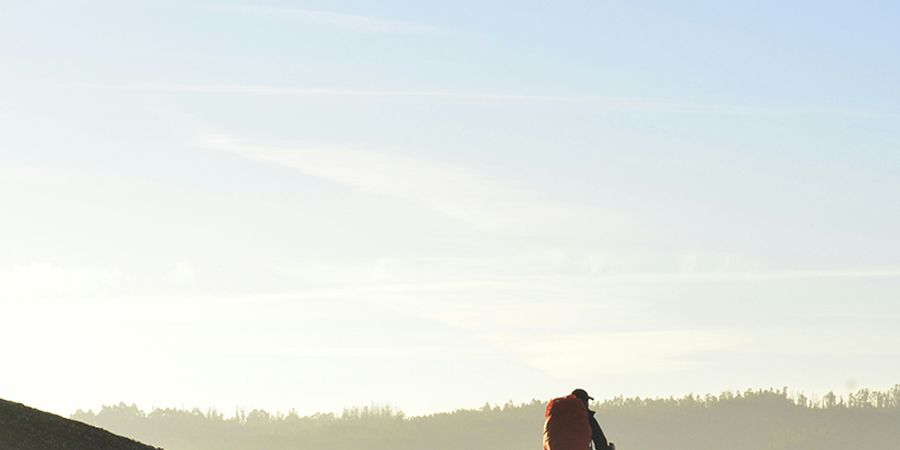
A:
(570, 424)
(597, 436)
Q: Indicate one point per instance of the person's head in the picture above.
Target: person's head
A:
(583, 395)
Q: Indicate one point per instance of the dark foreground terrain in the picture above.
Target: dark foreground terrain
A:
(24, 428)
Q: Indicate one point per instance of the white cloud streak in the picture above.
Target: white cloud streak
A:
(352, 22)
(597, 101)
(44, 279)
(752, 276)
(482, 202)
(183, 272)
(570, 357)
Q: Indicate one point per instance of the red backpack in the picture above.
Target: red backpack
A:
(566, 424)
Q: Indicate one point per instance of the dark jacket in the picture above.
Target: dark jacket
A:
(597, 435)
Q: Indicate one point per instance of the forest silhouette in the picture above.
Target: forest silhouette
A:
(754, 419)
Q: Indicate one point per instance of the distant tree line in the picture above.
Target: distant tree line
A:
(768, 419)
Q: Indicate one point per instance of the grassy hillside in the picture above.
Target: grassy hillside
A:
(24, 428)
(750, 420)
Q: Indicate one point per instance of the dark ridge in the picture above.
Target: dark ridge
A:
(24, 428)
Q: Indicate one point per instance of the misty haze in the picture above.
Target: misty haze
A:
(299, 224)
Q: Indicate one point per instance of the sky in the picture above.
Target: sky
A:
(432, 205)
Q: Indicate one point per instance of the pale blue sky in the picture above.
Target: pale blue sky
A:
(315, 205)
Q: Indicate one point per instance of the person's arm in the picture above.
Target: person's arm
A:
(600, 442)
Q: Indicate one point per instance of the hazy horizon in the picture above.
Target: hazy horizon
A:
(318, 205)
(375, 409)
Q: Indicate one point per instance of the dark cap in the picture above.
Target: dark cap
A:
(582, 394)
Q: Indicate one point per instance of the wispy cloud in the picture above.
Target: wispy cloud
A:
(481, 201)
(183, 272)
(575, 356)
(292, 91)
(750, 276)
(353, 22)
(46, 280)
(612, 103)
(530, 267)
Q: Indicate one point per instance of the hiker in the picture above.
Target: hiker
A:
(570, 424)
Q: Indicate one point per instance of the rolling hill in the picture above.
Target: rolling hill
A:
(24, 428)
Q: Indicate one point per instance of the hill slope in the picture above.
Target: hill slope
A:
(24, 428)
